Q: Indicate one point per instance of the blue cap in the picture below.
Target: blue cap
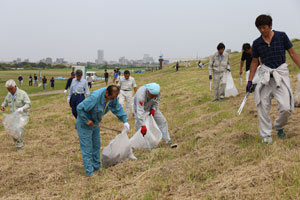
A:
(153, 88)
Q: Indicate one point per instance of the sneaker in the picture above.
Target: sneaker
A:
(281, 134)
(20, 148)
(221, 98)
(171, 144)
(215, 100)
(267, 140)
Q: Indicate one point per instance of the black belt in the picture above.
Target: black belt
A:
(77, 94)
(127, 90)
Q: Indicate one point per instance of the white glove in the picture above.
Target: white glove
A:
(20, 110)
(126, 126)
(68, 99)
(65, 91)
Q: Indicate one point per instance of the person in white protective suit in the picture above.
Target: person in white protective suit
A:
(18, 101)
(145, 101)
(218, 67)
(126, 85)
(270, 47)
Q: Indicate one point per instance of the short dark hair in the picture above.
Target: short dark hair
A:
(126, 72)
(262, 20)
(72, 73)
(246, 46)
(110, 89)
(78, 72)
(220, 46)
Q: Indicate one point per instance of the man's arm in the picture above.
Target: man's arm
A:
(86, 106)
(295, 57)
(253, 68)
(210, 65)
(241, 67)
(27, 103)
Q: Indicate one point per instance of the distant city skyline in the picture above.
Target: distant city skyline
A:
(76, 29)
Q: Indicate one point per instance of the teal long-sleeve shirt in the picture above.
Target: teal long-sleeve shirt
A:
(92, 108)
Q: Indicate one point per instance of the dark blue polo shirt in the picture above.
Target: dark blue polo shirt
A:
(272, 55)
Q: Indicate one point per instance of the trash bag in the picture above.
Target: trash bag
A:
(117, 150)
(230, 89)
(14, 124)
(297, 92)
(256, 77)
(152, 137)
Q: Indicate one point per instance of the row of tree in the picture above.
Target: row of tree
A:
(29, 65)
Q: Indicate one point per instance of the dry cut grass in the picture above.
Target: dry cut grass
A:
(220, 154)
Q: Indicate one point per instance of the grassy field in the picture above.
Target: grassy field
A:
(220, 154)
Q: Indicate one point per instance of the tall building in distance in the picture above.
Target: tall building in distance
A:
(100, 57)
(147, 59)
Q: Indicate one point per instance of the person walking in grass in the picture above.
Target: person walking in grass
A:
(271, 47)
(35, 80)
(30, 80)
(217, 69)
(145, 101)
(52, 82)
(20, 78)
(79, 88)
(90, 114)
(246, 55)
(18, 101)
(44, 80)
(89, 80)
(126, 85)
(106, 75)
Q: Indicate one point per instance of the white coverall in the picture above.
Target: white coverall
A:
(125, 96)
(20, 100)
(142, 104)
(218, 66)
(279, 87)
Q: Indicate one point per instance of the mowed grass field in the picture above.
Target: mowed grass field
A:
(220, 154)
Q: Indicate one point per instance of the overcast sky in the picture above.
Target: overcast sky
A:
(76, 29)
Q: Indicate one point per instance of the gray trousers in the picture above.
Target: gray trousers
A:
(125, 97)
(161, 123)
(282, 96)
(219, 79)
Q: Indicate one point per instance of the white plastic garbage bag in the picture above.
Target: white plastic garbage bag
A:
(256, 77)
(152, 137)
(297, 92)
(14, 124)
(117, 150)
(230, 89)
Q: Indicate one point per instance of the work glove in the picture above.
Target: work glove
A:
(152, 112)
(210, 77)
(68, 99)
(20, 110)
(250, 87)
(126, 126)
(65, 91)
(144, 130)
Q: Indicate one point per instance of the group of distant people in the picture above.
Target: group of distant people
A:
(35, 79)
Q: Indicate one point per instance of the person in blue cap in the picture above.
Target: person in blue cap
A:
(146, 100)
(90, 113)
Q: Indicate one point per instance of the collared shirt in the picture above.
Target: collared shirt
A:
(19, 100)
(218, 63)
(127, 84)
(95, 107)
(273, 54)
(79, 87)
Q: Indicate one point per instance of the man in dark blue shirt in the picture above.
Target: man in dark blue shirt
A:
(68, 85)
(274, 81)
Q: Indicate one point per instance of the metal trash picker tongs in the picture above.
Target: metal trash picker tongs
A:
(243, 103)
